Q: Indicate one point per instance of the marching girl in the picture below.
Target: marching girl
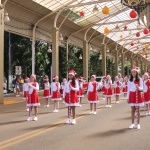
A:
(125, 87)
(25, 90)
(108, 91)
(103, 87)
(33, 100)
(92, 94)
(146, 90)
(62, 86)
(80, 93)
(70, 96)
(46, 93)
(117, 86)
(55, 90)
(134, 97)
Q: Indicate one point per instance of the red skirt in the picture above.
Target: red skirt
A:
(71, 99)
(117, 91)
(46, 94)
(132, 99)
(92, 97)
(108, 92)
(147, 97)
(25, 95)
(125, 89)
(33, 99)
(103, 89)
(80, 93)
(56, 96)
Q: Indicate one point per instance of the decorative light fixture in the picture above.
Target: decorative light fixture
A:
(95, 10)
(137, 34)
(60, 37)
(125, 27)
(49, 50)
(133, 14)
(106, 30)
(146, 46)
(117, 28)
(105, 10)
(80, 57)
(100, 57)
(107, 51)
(146, 31)
(82, 13)
(132, 44)
(6, 17)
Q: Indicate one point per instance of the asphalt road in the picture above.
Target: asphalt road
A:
(108, 130)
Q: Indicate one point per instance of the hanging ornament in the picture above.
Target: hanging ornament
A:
(121, 36)
(117, 28)
(146, 46)
(105, 10)
(132, 44)
(144, 51)
(82, 13)
(133, 14)
(145, 31)
(106, 30)
(137, 47)
(137, 34)
(125, 28)
(146, 56)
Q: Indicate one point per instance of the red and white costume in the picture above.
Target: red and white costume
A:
(46, 93)
(25, 89)
(117, 86)
(55, 90)
(62, 88)
(80, 93)
(133, 95)
(33, 99)
(70, 94)
(125, 87)
(146, 90)
(108, 89)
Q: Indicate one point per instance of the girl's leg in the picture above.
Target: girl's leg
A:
(54, 105)
(132, 113)
(148, 108)
(30, 111)
(91, 106)
(57, 105)
(36, 110)
(138, 122)
(107, 100)
(73, 112)
(80, 100)
(95, 108)
(117, 98)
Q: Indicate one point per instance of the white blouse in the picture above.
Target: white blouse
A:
(132, 87)
(25, 87)
(108, 84)
(31, 87)
(46, 86)
(54, 87)
(91, 87)
(116, 85)
(145, 88)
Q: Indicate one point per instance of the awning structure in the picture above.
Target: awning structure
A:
(25, 14)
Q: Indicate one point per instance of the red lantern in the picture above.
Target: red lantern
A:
(82, 13)
(132, 44)
(125, 28)
(137, 34)
(133, 14)
(145, 31)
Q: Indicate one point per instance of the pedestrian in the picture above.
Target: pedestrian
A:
(46, 94)
(25, 90)
(33, 100)
(17, 87)
(55, 91)
(93, 94)
(134, 97)
(70, 96)
(146, 90)
(108, 91)
(117, 86)
(120, 77)
(125, 87)
(80, 93)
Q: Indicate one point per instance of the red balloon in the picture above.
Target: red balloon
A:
(133, 14)
(145, 31)
(132, 44)
(82, 13)
(137, 34)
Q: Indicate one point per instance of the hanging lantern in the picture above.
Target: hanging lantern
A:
(132, 44)
(137, 34)
(105, 10)
(82, 13)
(95, 9)
(125, 28)
(121, 36)
(117, 28)
(137, 47)
(133, 14)
(146, 46)
(106, 30)
(145, 31)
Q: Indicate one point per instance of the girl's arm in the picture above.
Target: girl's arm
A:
(64, 91)
(128, 90)
(35, 87)
(141, 85)
(76, 87)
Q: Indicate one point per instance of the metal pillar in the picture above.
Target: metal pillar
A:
(85, 58)
(67, 52)
(116, 62)
(33, 51)
(55, 52)
(1, 54)
(103, 59)
(145, 67)
(122, 64)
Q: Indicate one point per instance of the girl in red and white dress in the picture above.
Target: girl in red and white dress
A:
(62, 86)
(134, 97)
(103, 87)
(80, 93)
(55, 90)
(33, 100)
(146, 90)
(46, 93)
(108, 91)
(93, 94)
(117, 86)
(25, 90)
(70, 96)
(125, 87)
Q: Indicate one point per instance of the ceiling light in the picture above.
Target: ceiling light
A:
(61, 37)
(49, 50)
(80, 57)
(6, 17)
(95, 10)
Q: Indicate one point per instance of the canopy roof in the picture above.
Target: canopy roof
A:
(118, 17)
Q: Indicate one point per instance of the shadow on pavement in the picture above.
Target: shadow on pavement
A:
(13, 122)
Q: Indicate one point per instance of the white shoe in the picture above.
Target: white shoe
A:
(27, 109)
(47, 105)
(73, 121)
(35, 119)
(54, 110)
(79, 105)
(138, 127)
(117, 102)
(91, 113)
(29, 119)
(131, 126)
(95, 113)
(68, 121)
(17, 95)
(109, 106)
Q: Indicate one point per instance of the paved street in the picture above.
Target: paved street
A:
(108, 130)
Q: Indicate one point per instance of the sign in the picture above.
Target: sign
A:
(18, 70)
